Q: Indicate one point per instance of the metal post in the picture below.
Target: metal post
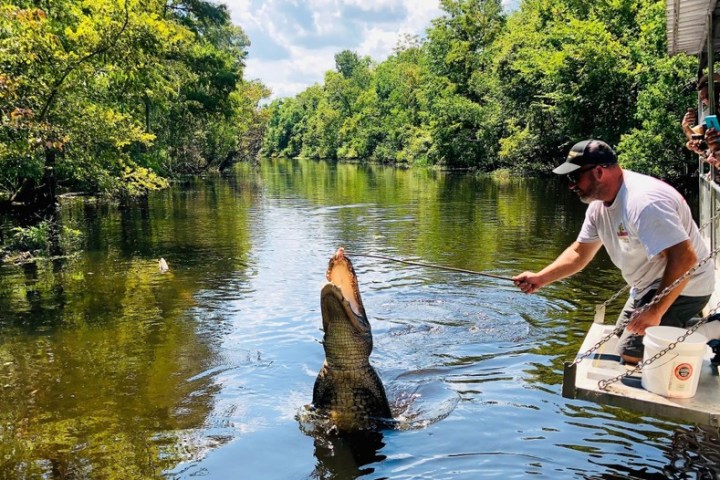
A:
(711, 63)
(712, 107)
(569, 375)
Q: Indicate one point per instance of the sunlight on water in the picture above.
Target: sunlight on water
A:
(110, 368)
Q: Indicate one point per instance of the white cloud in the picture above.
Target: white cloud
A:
(289, 76)
(378, 43)
(326, 20)
(294, 42)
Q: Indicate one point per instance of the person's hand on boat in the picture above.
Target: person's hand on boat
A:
(643, 320)
(528, 282)
(712, 138)
(696, 145)
(713, 159)
(689, 119)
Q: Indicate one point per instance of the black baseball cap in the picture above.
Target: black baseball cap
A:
(587, 152)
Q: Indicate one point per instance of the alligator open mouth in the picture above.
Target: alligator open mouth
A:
(340, 298)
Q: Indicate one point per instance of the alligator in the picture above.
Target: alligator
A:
(347, 388)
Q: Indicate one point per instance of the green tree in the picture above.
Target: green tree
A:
(488, 90)
(461, 39)
(563, 79)
(54, 65)
(110, 96)
(656, 143)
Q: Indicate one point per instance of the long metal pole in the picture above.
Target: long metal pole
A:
(711, 62)
(430, 265)
(712, 107)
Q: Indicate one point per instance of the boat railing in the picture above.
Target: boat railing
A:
(709, 217)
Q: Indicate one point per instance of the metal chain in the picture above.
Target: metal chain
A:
(604, 384)
(594, 348)
(600, 310)
(615, 296)
(710, 220)
(658, 297)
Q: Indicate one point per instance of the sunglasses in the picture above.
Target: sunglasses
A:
(574, 177)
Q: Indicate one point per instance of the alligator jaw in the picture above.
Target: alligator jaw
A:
(335, 306)
(341, 273)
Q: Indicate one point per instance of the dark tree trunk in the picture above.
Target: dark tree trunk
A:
(228, 161)
(47, 193)
(147, 113)
(31, 196)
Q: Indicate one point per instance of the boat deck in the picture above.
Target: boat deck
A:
(702, 409)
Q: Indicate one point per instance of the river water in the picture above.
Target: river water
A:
(111, 369)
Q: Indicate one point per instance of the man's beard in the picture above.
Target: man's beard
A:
(585, 199)
(589, 195)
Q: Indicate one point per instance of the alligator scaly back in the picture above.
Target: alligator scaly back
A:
(347, 388)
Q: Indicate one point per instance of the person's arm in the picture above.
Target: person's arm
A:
(680, 258)
(689, 119)
(713, 159)
(712, 138)
(572, 260)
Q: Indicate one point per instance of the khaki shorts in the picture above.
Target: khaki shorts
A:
(678, 315)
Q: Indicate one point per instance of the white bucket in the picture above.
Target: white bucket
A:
(676, 373)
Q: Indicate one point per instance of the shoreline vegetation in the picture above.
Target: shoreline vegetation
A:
(489, 89)
(117, 98)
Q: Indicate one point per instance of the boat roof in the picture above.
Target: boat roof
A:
(687, 25)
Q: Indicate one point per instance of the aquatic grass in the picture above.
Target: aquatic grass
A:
(30, 239)
(40, 239)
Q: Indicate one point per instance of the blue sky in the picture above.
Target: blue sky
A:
(294, 42)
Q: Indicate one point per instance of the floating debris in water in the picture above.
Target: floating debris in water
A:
(162, 264)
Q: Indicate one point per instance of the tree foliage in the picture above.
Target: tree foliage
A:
(116, 95)
(488, 89)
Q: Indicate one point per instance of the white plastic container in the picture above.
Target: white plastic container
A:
(675, 374)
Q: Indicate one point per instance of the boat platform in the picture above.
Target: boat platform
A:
(581, 381)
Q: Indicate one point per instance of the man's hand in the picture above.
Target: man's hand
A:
(712, 138)
(642, 321)
(572, 260)
(689, 119)
(713, 159)
(528, 282)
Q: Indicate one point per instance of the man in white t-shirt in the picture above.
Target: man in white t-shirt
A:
(648, 231)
